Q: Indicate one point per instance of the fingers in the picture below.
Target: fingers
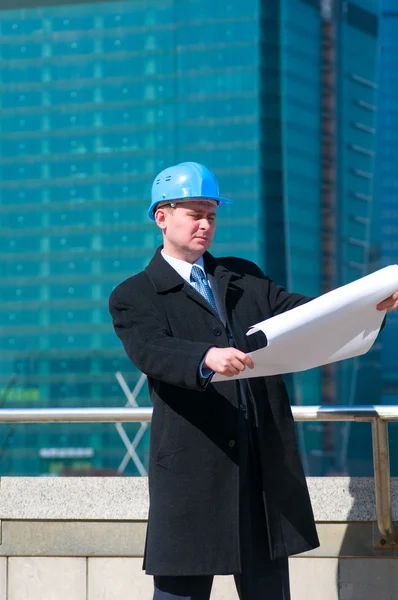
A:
(393, 307)
(227, 361)
(231, 371)
(383, 305)
(245, 359)
(232, 367)
(248, 362)
(389, 304)
(237, 363)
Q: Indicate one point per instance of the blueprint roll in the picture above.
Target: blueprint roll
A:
(340, 324)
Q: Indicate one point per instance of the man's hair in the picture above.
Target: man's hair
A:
(165, 207)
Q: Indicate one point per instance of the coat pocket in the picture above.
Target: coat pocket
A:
(165, 459)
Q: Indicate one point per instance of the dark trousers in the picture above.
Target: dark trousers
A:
(260, 578)
(271, 584)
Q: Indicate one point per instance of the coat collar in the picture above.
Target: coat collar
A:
(165, 278)
(162, 275)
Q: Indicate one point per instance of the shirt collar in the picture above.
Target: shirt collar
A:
(183, 267)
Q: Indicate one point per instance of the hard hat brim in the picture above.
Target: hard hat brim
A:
(218, 199)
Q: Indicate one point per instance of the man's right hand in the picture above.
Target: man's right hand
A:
(227, 361)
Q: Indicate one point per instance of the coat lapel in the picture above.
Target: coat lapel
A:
(220, 278)
(192, 294)
(217, 298)
(165, 279)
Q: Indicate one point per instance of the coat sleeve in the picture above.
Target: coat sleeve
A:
(280, 300)
(152, 349)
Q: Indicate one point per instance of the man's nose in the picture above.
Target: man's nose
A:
(204, 224)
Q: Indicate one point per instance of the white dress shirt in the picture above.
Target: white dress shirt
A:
(184, 268)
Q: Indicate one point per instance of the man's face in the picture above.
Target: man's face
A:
(188, 229)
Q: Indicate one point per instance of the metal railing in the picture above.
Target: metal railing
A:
(378, 416)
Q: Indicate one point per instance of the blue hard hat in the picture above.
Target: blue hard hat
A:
(183, 181)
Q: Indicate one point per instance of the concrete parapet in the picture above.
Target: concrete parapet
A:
(83, 539)
(126, 498)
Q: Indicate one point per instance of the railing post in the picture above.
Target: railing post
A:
(381, 462)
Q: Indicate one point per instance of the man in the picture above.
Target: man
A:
(227, 490)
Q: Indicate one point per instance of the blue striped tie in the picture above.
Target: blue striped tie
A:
(201, 285)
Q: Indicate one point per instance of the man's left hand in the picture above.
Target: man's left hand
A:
(389, 304)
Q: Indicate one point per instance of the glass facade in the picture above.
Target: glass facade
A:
(358, 380)
(388, 186)
(291, 152)
(319, 102)
(301, 81)
(96, 98)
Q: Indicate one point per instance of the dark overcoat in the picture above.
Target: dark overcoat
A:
(166, 328)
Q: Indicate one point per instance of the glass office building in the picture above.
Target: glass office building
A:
(96, 98)
(320, 215)
(388, 189)
(277, 98)
(291, 172)
(357, 210)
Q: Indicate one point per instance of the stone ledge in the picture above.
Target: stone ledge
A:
(337, 499)
(74, 498)
(127, 538)
(345, 499)
(72, 538)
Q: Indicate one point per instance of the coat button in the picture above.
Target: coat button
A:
(217, 331)
(231, 443)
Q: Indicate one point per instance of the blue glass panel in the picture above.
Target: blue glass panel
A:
(71, 22)
(20, 171)
(20, 294)
(72, 95)
(67, 121)
(12, 196)
(72, 47)
(15, 244)
(76, 191)
(21, 122)
(20, 51)
(72, 71)
(18, 219)
(31, 74)
(73, 168)
(13, 99)
(15, 25)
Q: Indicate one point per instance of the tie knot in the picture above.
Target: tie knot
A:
(197, 274)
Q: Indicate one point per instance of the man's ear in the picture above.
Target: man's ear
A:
(160, 218)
